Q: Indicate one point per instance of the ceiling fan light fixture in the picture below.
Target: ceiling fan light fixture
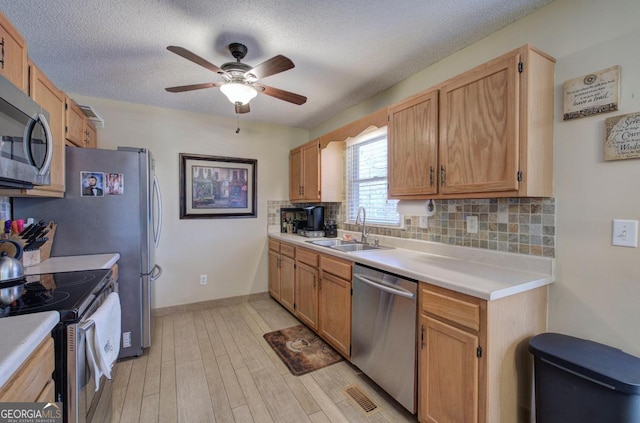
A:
(238, 92)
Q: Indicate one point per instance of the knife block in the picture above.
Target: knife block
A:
(35, 257)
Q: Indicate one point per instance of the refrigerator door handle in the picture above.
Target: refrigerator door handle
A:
(156, 272)
(157, 228)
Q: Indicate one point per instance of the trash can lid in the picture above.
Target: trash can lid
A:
(601, 363)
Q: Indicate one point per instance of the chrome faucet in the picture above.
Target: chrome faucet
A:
(365, 235)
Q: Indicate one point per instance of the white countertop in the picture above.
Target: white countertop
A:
(20, 336)
(485, 274)
(73, 263)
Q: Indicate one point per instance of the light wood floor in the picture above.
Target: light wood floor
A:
(214, 366)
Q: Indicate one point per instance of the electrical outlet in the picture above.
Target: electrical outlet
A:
(625, 233)
(203, 279)
(472, 224)
(424, 222)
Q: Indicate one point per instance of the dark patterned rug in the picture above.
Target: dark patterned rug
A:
(301, 349)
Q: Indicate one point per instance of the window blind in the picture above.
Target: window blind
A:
(367, 180)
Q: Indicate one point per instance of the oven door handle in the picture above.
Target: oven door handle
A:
(87, 325)
(382, 286)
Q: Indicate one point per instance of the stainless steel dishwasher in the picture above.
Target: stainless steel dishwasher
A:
(383, 331)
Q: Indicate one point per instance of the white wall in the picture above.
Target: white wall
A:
(597, 290)
(232, 252)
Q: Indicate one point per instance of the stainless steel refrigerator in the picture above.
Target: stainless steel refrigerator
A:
(122, 215)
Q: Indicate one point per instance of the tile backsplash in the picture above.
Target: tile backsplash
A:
(517, 225)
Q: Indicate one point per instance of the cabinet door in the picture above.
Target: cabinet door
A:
(14, 55)
(274, 275)
(46, 94)
(295, 174)
(311, 171)
(479, 112)
(334, 303)
(90, 134)
(448, 373)
(413, 146)
(306, 294)
(74, 119)
(287, 281)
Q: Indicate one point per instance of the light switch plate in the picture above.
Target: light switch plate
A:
(625, 233)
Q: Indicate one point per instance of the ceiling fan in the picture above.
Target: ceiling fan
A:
(240, 80)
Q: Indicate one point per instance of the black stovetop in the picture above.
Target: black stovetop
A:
(68, 293)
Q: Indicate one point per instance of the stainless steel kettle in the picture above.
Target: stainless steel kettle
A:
(11, 268)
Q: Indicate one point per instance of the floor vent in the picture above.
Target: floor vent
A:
(361, 400)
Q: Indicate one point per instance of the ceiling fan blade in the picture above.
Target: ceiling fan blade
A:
(281, 94)
(183, 88)
(270, 67)
(242, 108)
(195, 59)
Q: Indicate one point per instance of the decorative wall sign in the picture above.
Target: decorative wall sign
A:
(591, 94)
(623, 137)
(217, 187)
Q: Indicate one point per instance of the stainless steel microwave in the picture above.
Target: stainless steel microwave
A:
(26, 143)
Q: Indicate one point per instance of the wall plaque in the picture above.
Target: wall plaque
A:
(623, 137)
(591, 94)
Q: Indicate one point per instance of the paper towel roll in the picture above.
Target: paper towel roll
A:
(415, 208)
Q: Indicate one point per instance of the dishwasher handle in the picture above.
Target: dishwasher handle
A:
(381, 285)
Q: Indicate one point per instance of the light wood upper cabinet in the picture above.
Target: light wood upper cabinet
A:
(304, 172)
(90, 134)
(479, 129)
(13, 60)
(496, 132)
(413, 146)
(43, 92)
(74, 118)
(486, 132)
(315, 172)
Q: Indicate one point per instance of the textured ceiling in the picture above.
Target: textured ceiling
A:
(345, 51)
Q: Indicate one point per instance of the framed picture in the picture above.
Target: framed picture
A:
(91, 184)
(217, 187)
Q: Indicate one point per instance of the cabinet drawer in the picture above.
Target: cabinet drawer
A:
(274, 245)
(335, 266)
(308, 257)
(457, 310)
(28, 382)
(288, 250)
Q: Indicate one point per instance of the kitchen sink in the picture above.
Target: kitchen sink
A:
(331, 242)
(346, 246)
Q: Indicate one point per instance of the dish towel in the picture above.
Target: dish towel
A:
(102, 340)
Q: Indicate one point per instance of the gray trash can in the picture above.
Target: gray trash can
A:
(580, 381)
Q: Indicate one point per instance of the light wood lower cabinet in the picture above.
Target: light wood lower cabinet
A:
(334, 310)
(306, 304)
(282, 273)
(473, 363)
(32, 381)
(316, 288)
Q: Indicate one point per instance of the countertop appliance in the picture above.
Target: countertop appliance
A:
(383, 331)
(331, 229)
(26, 144)
(75, 295)
(128, 221)
(315, 218)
